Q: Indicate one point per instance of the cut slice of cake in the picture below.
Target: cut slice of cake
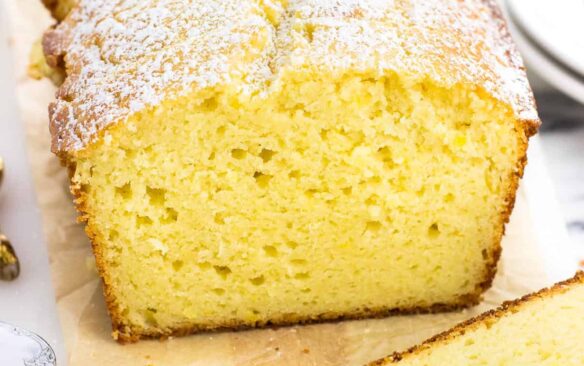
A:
(544, 328)
(247, 163)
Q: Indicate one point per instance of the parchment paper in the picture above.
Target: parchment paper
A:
(86, 325)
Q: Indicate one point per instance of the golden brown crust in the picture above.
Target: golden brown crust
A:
(125, 334)
(50, 44)
(488, 317)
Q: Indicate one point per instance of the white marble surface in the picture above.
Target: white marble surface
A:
(562, 138)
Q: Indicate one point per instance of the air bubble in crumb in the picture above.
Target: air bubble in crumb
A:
(267, 155)
(433, 231)
(222, 271)
(262, 179)
(257, 281)
(271, 251)
(238, 154)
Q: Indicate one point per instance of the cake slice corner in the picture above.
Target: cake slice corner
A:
(542, 328)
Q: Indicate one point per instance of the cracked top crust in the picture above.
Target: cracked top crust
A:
(122, 56)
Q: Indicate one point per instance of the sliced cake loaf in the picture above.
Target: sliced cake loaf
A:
(544, 328)
(246, 163)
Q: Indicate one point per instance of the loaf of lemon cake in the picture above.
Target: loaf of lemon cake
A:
(251, 163)
(544, 328)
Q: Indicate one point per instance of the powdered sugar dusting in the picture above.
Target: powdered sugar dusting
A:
(125, 55)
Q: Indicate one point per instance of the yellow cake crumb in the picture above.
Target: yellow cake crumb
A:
(213, 209)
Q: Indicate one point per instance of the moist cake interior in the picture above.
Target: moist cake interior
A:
(327, 195)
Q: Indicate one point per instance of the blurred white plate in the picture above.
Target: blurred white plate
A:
(21, 347)
(555, 26)
(549, 35)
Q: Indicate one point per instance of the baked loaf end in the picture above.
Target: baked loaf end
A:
(245, 163)
(543, 328)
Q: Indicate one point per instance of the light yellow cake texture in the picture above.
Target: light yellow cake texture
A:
(545, 328)
(247, 163)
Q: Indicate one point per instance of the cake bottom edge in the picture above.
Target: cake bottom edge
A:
(125, 334)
